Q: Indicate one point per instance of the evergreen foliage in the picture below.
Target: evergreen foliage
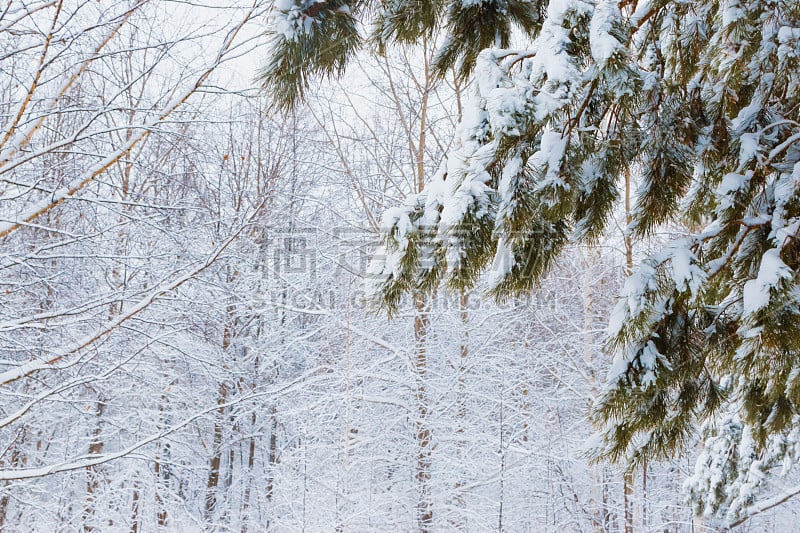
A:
(311, 38)
(697, 100)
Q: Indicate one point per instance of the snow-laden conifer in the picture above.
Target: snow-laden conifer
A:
(700, 103)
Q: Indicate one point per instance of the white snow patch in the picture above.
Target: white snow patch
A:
(731, 12)
(749, 148)
(731, 184)
(686, 273)
(602, 43)
(633, 297)
(549, 157)
(290, 18)
(502, 264)
(756, 293)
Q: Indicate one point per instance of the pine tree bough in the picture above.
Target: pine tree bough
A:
(310, 37)
(698, 101)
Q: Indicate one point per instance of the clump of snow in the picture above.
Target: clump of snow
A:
(397, 223)
(488, 73)
(469, 185)
(633, 298)
(784, 189)
(732, 183)
(549, 158)
(787, 34)
(748, 149)
(506, 106)
(756, 293)
(622, 360)
(377, 272)
(502, 264)
(290, 18)
(789, 39)
(732, 12)
(647, 361)
(687, 274)
(467, 188)
(643, 357)
(435, 193)
(557, 11)
(552, 62)
(511, 171)
(602, 43)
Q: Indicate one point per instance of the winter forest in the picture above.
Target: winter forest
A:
(400, 266)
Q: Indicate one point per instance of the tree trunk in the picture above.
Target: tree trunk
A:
(92, 484)
(644, 495)
(16, 456)
(227, 515)
(135, 527)
(161, 510)
(627, 500)
(627, 481)
(423, 434)
(212, 485)
(459, 501)
(272, 455)
(251, 458)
